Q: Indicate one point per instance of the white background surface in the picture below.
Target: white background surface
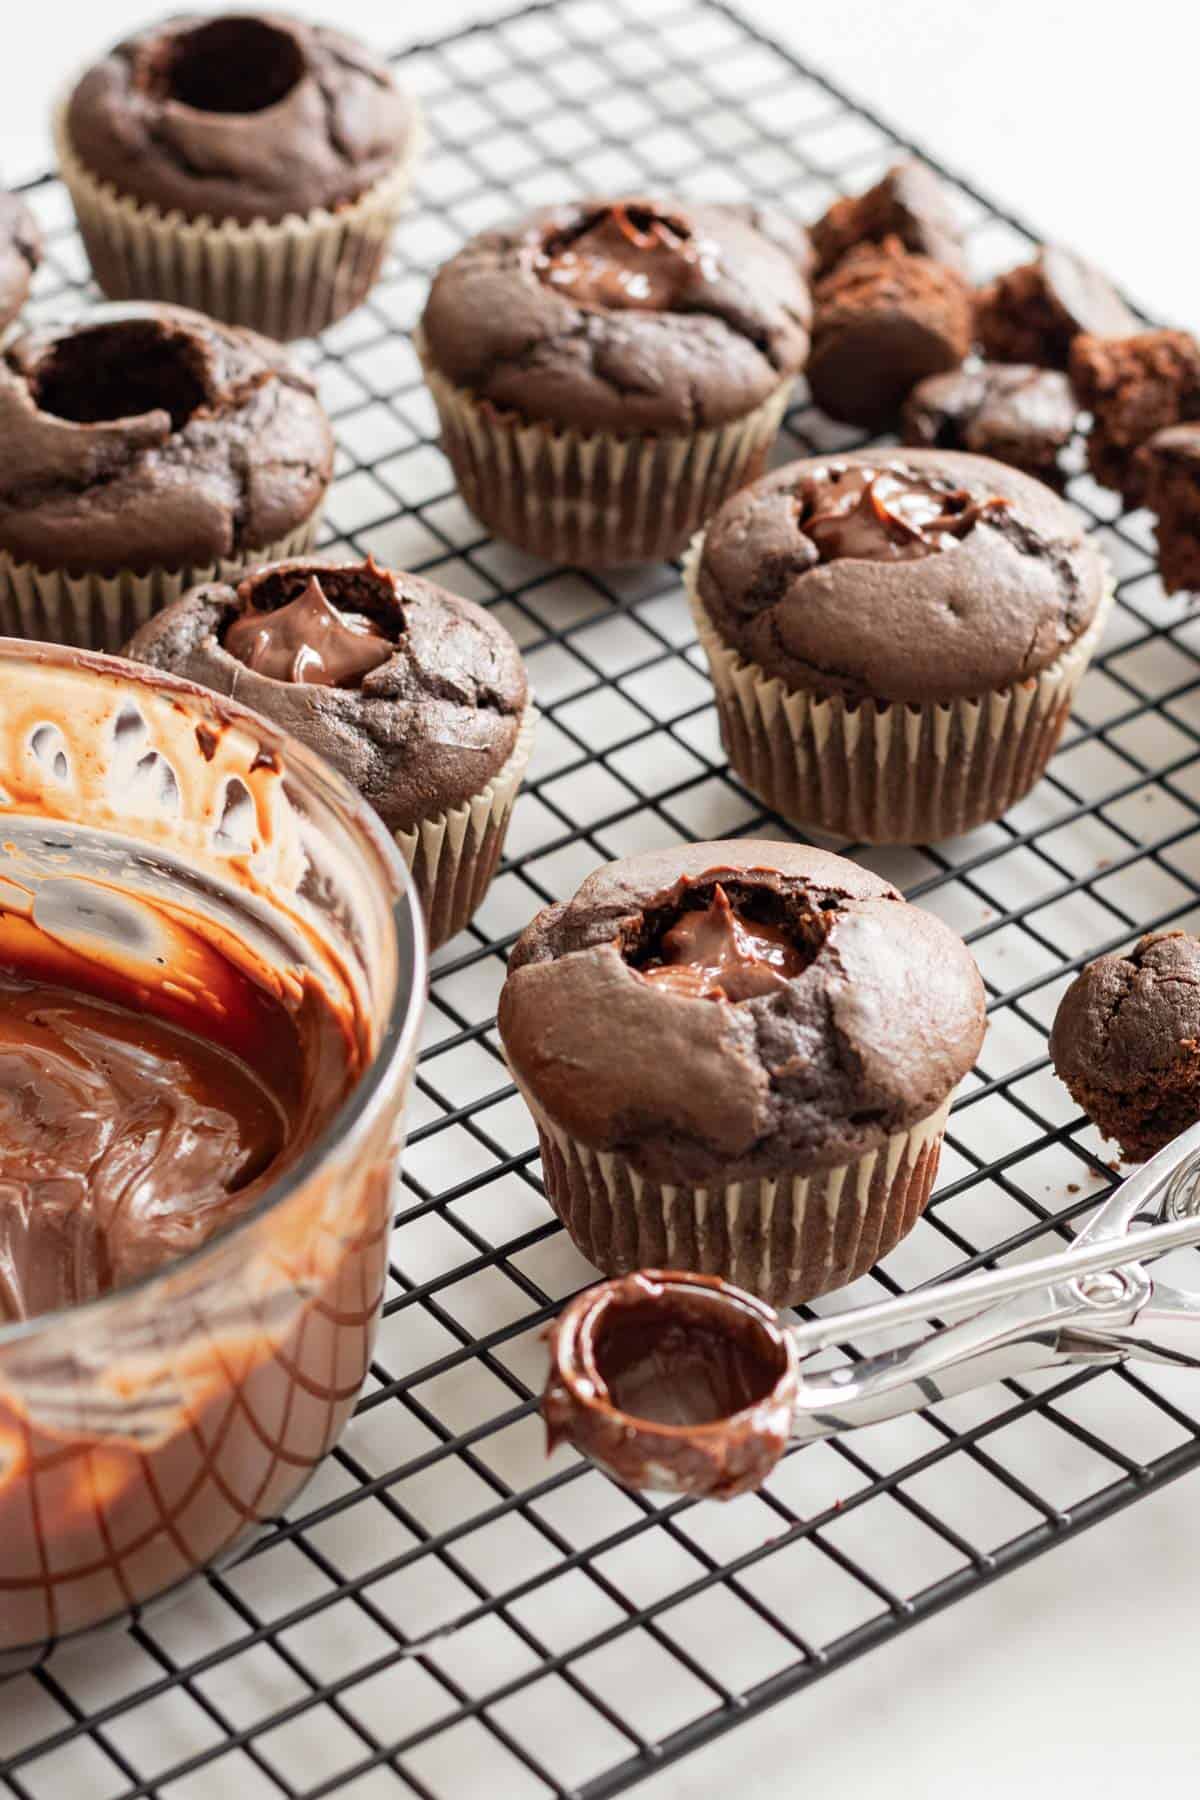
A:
(1077, 1674)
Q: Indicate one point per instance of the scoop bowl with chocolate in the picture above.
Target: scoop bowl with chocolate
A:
(895, 637)
(607, 371)
(418, 697)
(212, 973)
(251, 165)
(739, 1057)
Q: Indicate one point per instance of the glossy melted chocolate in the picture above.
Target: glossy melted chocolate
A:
(672, 1381)
(885, 514)
(124, 1140)
(625, 255)
(717, 954)
(307, 639)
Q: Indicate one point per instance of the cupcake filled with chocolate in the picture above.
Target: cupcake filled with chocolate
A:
(607, 371)
(740, 1057)
(895, 637)
(418, 697)
(251, 165)
(142, 449)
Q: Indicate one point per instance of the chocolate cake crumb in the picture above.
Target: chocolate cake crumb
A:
(1133, 387)
(908, 203)
(1169, 470)
(1033, 313)
(884, 319)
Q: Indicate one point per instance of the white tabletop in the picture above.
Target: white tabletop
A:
(1075, 1674)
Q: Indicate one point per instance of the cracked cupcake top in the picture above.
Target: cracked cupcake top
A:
(251, 116)
(625, 315)
(413, 693)
(898, 574)
(148, 436)
(861, 1031)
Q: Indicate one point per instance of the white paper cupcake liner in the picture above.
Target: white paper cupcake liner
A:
(786, 1239)
(888, 772)
(102, 612)
(289, 278)
(453, 856)
(595, 499)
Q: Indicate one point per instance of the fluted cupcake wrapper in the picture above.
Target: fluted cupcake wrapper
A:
(888, 772)
(785, 1239)
(288, 278)
(453, 855)
(102, 612)
(592, 498)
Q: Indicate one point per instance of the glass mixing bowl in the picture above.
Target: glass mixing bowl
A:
(145, 1433)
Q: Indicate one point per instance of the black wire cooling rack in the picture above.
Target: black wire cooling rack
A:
(446, 1613)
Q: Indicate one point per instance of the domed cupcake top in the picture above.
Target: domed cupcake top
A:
(145, 436)
(243, 117)
(738, 1008)
(624, 315)
(899, 574)
(414, 694)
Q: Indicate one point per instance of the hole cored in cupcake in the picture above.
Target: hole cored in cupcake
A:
(230, 65)
(686, 1358)
(626, 254)
(121, 371)
(728, 940)
(325, 627)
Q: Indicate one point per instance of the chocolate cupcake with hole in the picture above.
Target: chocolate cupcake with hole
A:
(740, 1057)
(418, 697)
(895, 637)
(606, 372)
(142, 449)
(251, 165)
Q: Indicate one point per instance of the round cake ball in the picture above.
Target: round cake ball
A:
(1126, 1040)
(417, 696)
(606, 371)
(739, 1057)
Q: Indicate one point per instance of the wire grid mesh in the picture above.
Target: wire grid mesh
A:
(445, 1612)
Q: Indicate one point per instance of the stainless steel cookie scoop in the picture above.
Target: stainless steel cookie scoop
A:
(680, 1382)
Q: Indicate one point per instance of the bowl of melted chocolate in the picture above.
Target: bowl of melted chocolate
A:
(211, 980)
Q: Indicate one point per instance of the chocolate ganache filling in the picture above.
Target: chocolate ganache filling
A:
(306, 639)
(885, 514)
(719, 954)
(626, 254)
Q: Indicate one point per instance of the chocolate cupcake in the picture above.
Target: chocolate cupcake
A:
(251, 166)
(606, 372)
(1126, 1041)
(740, 1057)
(418, 697)
(143, 449)
(20, 254)
(895, 637)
